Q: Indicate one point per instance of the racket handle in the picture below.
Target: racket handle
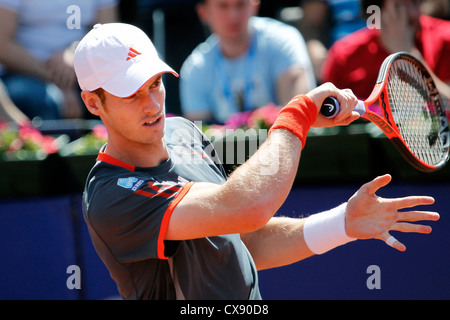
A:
(330, 107)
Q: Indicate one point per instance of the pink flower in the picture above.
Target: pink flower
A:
(4, 125)
(238, 120)
(264, 116)
(49, 145)
(26, 138)
(100, 132)
(29, 134)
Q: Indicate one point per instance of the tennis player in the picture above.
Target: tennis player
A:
(162, 214)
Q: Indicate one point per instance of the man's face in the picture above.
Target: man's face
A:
(412, 9)
(138, 119)
(227, 18)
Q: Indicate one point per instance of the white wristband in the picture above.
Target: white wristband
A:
(326, 230)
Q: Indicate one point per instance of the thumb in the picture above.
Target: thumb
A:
(373, 186)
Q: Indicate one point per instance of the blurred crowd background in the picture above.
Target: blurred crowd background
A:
(39, 37)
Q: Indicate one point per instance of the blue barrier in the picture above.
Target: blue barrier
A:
(421, 272)
(37, 245)
(41, 237)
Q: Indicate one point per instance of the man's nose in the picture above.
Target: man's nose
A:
(150, 103)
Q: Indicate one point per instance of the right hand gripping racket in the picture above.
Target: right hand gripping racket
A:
(412, 115)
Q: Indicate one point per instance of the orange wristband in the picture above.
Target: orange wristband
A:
(297, 117)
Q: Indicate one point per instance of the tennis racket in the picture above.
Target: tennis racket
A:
(411, 112)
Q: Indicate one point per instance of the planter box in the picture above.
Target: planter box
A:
(356, 153)
(37, 178)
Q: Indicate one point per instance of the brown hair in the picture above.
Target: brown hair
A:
(101, 94)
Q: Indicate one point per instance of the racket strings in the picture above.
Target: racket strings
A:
(414, 112)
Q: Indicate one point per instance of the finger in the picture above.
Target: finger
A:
(345, 113)
(412, 216)
(373, 186)
(411, 228)
(351, 98)
(411, 201)
(348, 102)
(352, 117)
(393, 242)
(390, 241)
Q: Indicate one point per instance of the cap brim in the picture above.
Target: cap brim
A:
(126, 83)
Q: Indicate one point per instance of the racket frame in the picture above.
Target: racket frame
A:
(386, 121)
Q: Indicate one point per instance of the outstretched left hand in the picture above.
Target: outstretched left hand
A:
(369, 216)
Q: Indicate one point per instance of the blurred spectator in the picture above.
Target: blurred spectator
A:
(436, 8)
(325, 21)
(245, 64)
(38, 40)
(8, 111)
(175, 30)
(354, 61)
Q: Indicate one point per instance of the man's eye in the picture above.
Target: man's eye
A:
(156, 83)
(131, 97)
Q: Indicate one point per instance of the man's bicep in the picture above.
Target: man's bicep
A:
(192, 214)
(207, 210)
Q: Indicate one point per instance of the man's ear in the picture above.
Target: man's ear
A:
(93, 102)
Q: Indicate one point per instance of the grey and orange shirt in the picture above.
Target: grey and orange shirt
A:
(127, 210)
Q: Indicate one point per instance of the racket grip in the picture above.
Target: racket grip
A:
(330, 107)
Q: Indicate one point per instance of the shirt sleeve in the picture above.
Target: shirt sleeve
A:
(131, 216)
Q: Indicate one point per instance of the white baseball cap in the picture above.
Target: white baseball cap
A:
(117, 57)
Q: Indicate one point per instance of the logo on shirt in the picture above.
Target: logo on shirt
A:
(131, 183)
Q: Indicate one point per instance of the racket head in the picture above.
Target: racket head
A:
(412, 114)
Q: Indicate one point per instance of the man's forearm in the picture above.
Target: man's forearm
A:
(265, 180)
(256, 190)
(261, 185)
(280, 242)
(247, 200)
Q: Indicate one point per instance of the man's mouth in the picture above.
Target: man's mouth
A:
(152, 122)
